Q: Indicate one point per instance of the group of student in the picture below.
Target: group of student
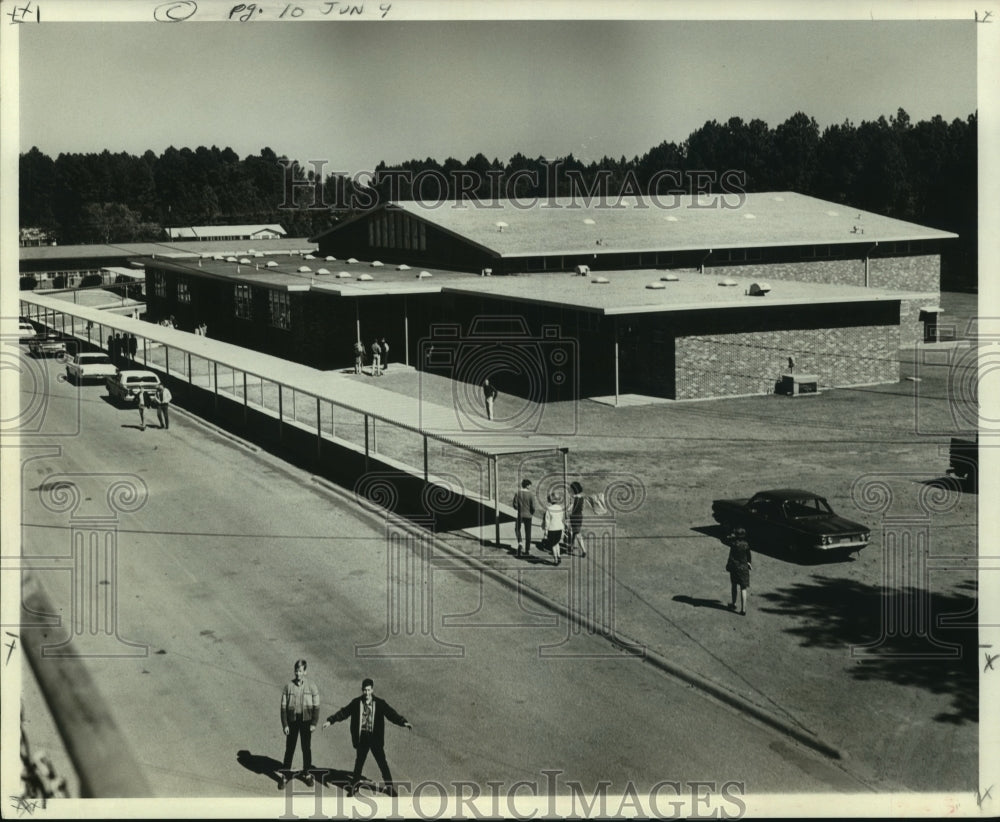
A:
(122, 347)
(380, 356)
(561, 524)
(300, 703)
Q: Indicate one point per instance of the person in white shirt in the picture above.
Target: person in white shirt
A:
(554, 523)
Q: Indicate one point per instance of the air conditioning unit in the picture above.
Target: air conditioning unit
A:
(582, 270)
(799, 385)
(759, 289)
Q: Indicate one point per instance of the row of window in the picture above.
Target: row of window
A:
(396, 229)
(279, 302)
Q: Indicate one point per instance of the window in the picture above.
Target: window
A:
(280, 305)
(159, 283)
(242, 303)
(183, 292)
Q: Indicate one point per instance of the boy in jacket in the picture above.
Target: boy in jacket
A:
(368, 714)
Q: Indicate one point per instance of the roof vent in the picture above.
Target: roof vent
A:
(759, 289)
(351, 260)
(245, 260)
(670, 218)
(582, 270)
(600, 280)
(376, 263)
(258, 253)
(365, 277)
(423, 275)
(727, 282)
(272, 264)
(323, 271)
(304, 269)
(749, 216)
(655, 285)
(309, 257)
(331, 259)
(250, 251)
(402, 267)
(486, 272)
(589, 221)
(230, 259)
(670, 278)
(343, 274)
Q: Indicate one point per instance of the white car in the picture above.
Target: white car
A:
(92, 365)
(26, 331)
(126, 385)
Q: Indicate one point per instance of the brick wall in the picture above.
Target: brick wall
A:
(920, 273)
(911, 327)
(836, 272)
(720, 365)
(916, 273)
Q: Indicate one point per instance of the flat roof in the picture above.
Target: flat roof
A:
(625, 292)
(564, 225)
(179, 250)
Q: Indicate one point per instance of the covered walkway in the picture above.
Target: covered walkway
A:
(333, 408)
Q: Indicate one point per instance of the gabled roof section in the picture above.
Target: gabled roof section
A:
(565, 225)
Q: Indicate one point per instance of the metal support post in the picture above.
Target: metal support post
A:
(496, 499)
(319, 429)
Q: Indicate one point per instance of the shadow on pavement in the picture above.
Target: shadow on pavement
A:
(774, 551)
(259, 764)
(907, 636)
(701, 603)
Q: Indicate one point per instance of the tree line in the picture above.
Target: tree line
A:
(924, 172)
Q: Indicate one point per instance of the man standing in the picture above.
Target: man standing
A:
(368, 714)
(299, 714)
(376, 359)
(133, 347)
(489, 395)
(385, 353)
(359, 356)
(142, 403)
(524, 510)
(163, 398)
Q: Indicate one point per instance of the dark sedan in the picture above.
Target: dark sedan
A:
(793, 518)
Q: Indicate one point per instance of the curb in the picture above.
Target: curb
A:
(658, 661)
(702, 683)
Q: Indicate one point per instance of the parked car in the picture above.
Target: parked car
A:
(125, 385)
(964, 462)
(792, 518)
(50, 345)
(26, 331)
(90, 365)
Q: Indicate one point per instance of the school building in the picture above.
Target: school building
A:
(703, 297)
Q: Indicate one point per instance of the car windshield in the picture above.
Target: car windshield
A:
(807, 507)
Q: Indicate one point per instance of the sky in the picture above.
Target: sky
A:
(359, 93)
